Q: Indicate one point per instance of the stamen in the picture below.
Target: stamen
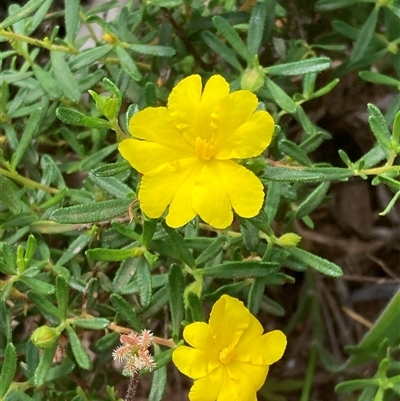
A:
(204, 150)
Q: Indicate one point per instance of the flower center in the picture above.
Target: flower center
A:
(204, 150)
(227, 354)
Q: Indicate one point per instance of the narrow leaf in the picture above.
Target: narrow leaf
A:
(128, 64)
(126, 311)
(256, 27)
(26, 139)
(64, 76)
(221, 49)
(365, 36)
(179, 246)
(62, 296)
(29, 8)
(176, 288)
(71, 16)
(235, 270)
(233, 38)
(91, 212)
(9, 368)
(96, 323)
(284, 101)
(301, 67)
(322, 265)
(79, 352)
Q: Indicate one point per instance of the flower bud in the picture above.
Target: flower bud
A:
(45, 336)
(108, 38)
(288, 240)
(252, 79)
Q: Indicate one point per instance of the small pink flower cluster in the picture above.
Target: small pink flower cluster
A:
(134, 352)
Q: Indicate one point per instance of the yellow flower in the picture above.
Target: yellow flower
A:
(185, 152)
(230, 355)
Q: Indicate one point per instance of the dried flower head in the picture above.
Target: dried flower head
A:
(134, 353)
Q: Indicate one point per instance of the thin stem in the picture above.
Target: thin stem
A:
(133, 383)
(124, 330)
(36, 42)
(27, 182)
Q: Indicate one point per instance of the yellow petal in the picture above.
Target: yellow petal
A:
(154, 124)
(253, 331)
(210, 198)
(215, 90)
(223, 185)
(184, 103)
(240, 133)
(199, 336)
(208, 388)
(159, 187)
(193, 362)
(191, 110)
(228, 319)
(145, 156)
(265, 350)
(245, 380)
(181, 209)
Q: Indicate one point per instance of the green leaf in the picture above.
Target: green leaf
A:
(96, 323)
(301, 67)
(128, 64)
(165, 3)
(324, 90)
(111, 255)
(322, 265)
(112, 185)
(64, 76)
(272, 200)
(237, 270)
(29, 8)
(8, 370)
(355, 385)
(365, 36)
(126, 311)
(91, 212)
(221, 49)
(158, 51)
(5, 321)
(143, 277)
(45, 306)
(62, 294)
(89, 57)
(314, 174)
(378, 126)
(38, 285)
(233, 38)
(284, 101)
(106, 342)
(109, 170)
(149, 228)
(45, 363)
(26, 139)
(180, 248)
(11, 196)
(376, 78)
(176, 284)
(312, 201)
(79, 352)
(250, 235)
(48, 83)
(196, 308)
(385, 327)
(292, 150)
(71, 16)
(329, 5)
(76, 246)
(73, 117)
(213, 250)
(256, 27)
(158, 384)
